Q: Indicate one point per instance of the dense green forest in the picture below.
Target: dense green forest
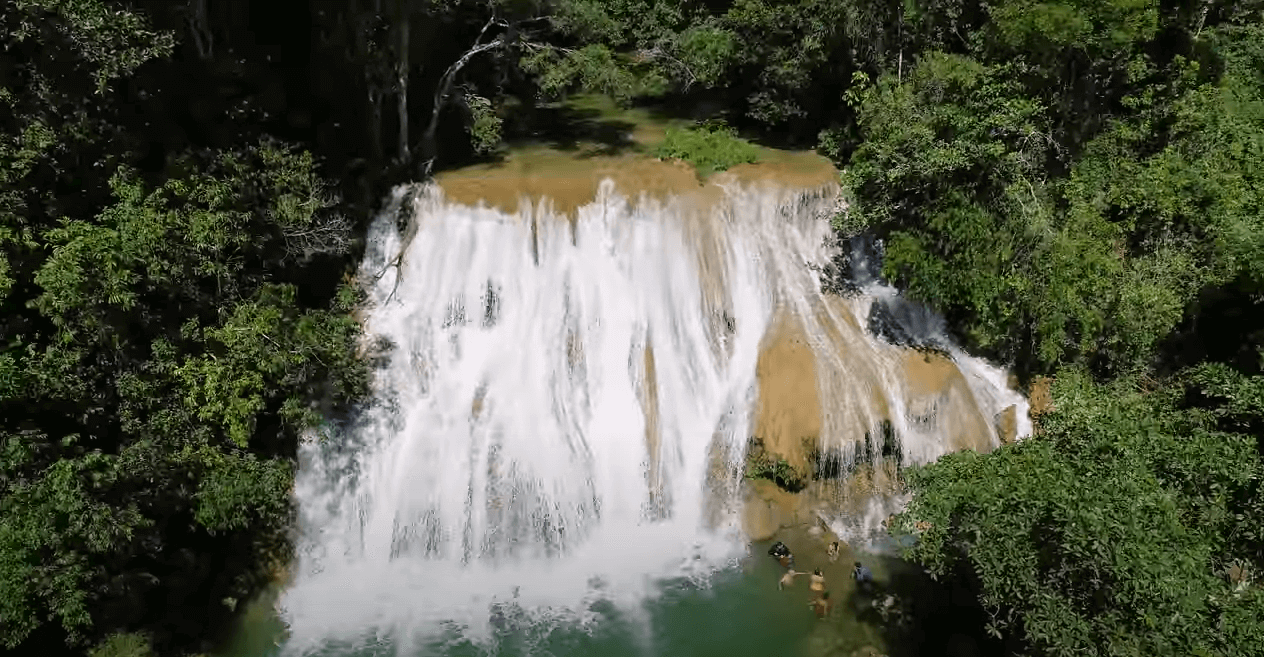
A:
(1075, 185)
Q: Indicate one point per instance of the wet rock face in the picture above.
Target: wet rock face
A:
(768, 509)
(907, 324)
(788, 411)
(1007, 425)
(761, 518)
(858, 264)
(938, 398)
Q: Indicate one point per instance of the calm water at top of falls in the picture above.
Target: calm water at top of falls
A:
(552, 463)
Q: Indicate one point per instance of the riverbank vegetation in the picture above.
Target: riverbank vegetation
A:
(1075, 185)
(709, 148)
(163, 348)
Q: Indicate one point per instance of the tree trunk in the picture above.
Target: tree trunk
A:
(360, 55)
(199, 29)
(428, 146)
(401, 79)
(375, 122)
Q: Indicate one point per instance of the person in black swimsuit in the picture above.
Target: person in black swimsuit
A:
(781, 553)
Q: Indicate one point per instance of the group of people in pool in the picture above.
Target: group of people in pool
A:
(820, 597)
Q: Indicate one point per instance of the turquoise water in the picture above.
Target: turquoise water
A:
(739, 613)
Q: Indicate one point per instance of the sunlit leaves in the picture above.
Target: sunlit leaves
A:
(1085, 25)
(1097, 264)
(114, 41)
(708, 148)
(265, 348)
(1107, 533)
(49, 529)
(156, 364)
(123, 645)
(237, 491)
(484, 125)
(593, 68)
(707, 52)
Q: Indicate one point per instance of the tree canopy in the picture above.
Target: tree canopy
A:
(1130, 526)
(1075, 185)
(157, 364)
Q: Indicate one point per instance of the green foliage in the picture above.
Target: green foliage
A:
(157, 363)
(247, 368)
(593, 68)
(1065, 195)
(709, 148)
(216, 225)
(774, 53)
(123, 645)
(113, 42)
(1097, 265)
(485, 125)
(175, 286)
(948, 169)
(60, 514)
(238, 491)
(1110, 533)
(779, 472)
(706, 52)
(790, 51)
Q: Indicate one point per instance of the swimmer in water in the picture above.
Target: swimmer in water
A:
(832, 551)
(822, 605)
(818, 581)
(787, 579)
(782, 554)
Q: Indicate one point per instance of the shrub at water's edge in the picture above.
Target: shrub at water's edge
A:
(710, 148)
(123, 645)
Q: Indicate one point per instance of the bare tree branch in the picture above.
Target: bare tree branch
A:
(444, 91)
(658, 53)
(330, 234)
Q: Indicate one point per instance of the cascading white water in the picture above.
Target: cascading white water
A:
(564, 408)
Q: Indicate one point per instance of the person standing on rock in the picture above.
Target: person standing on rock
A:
(863, 577)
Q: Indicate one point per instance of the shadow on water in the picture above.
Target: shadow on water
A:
(732, 105)
(919, 617)
(579, 128)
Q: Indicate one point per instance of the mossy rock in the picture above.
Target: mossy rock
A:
(760, 466)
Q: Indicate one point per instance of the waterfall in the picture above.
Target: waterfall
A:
(563, 407)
